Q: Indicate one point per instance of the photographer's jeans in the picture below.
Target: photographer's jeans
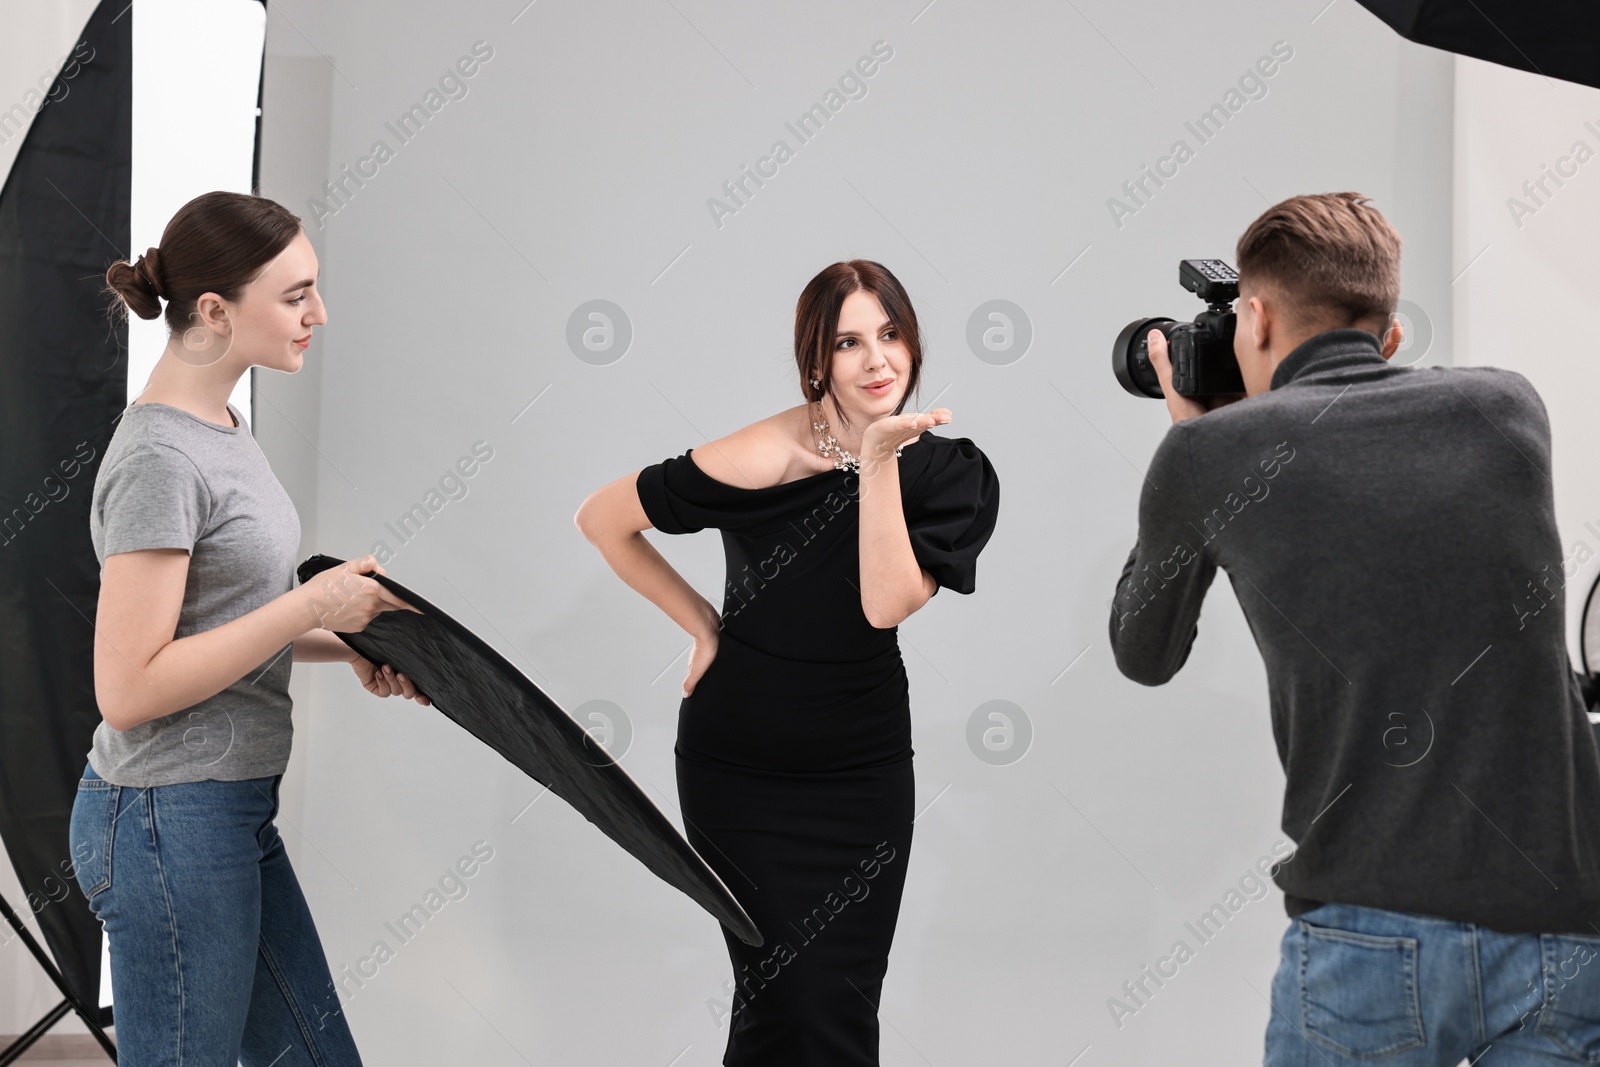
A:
(214, 957)
(1364, 986)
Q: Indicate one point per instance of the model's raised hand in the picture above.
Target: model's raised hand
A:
(893, 431)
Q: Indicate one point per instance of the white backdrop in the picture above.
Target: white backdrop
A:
(196, 77)
(575, 165)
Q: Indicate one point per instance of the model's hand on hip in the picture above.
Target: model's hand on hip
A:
(700, 657)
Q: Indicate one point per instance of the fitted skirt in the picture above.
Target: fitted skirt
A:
(819, 861)
(796, 786)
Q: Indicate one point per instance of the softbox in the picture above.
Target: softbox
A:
(1559, 39)
(64, 216)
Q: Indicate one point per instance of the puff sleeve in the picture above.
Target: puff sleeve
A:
(953, 513)
(679, 498)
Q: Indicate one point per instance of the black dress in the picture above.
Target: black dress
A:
(794, 751)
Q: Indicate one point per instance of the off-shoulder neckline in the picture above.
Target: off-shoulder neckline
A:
(927, 435)
(760, 488)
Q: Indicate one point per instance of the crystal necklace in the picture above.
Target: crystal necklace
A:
(828, 445)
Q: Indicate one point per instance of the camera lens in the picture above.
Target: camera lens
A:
(1130, 356)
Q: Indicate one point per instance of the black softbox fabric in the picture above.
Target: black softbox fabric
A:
(467, 680)
(1556, 38)
(63, 382)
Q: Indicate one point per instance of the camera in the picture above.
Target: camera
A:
(1203, 363)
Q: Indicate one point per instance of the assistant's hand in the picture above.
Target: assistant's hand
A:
(385, 682)
(345, 600)
(1180, 407)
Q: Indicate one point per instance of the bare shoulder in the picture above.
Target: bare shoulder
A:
(765, 453)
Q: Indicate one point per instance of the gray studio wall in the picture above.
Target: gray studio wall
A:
(1526, 274)
(978, 167)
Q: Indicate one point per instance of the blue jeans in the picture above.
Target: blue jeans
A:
(1365, 986)
(214, 958)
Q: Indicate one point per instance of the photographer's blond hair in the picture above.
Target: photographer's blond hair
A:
(1332, 258)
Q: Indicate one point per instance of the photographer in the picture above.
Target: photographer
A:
(1380, 526)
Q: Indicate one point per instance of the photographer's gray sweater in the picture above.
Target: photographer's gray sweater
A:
(1390, 534)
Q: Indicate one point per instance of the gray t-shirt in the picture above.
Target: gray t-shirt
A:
(170, 479)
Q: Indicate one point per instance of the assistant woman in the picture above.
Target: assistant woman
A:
(840, 517)
(214, 956)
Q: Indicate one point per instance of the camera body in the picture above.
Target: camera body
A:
(1203, 363)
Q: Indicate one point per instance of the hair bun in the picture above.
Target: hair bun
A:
(148, 266)
(138, 284)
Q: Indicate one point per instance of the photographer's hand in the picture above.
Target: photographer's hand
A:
(1180, 407)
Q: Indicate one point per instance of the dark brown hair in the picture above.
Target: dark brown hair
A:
(816, 323)
(1333, 258)
(216, 243)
